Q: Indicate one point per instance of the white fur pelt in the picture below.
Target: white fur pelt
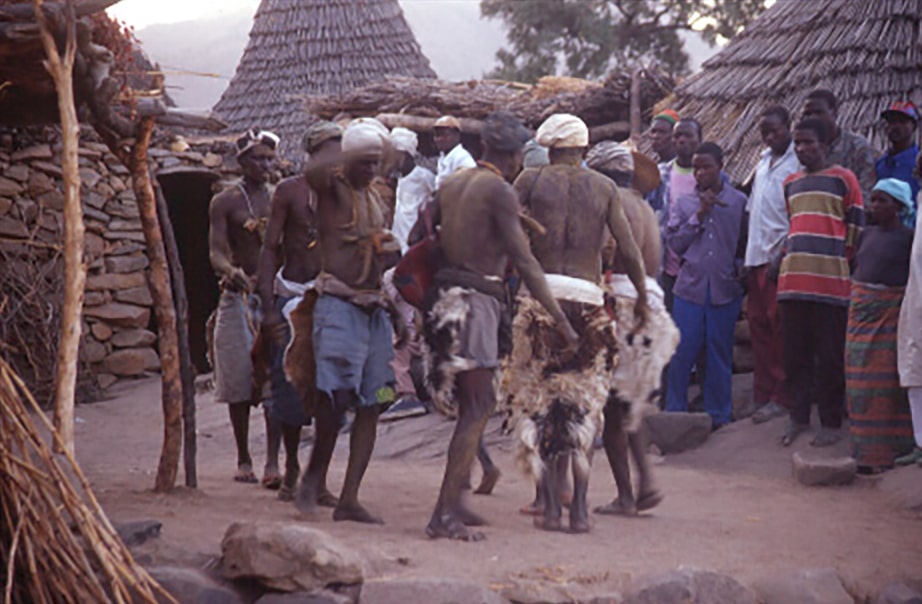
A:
(555, 404)
(441, 348)
(642, 355)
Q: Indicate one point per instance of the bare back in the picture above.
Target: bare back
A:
(644, 228)
(574, 205)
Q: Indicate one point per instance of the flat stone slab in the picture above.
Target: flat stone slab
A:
(430, 591)
(692, 586)
(674, 432)
(815, 469)
(812, 586)
(899, 593)
(190, 586)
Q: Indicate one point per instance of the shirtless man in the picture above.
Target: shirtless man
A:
(480, 233)
(238, 219)
(351, 326)
(577, 208)
(642, 355)
(291, 237)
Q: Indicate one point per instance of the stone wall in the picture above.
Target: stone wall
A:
(119, 333)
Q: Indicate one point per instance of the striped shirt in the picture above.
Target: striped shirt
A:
(827, 213)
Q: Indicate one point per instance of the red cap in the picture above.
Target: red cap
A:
(904, 108)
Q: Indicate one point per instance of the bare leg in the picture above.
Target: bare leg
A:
(313, 482)
(579, 512)
(550, 484)
(536, 507)
(648, 497)
(240, 423)
(271, 477)
(291, 437)
(615, 440)
(361, 445)
(475, 402)
(491, 473)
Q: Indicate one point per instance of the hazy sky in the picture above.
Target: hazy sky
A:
(141, 13)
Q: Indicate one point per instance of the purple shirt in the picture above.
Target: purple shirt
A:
(711, 250)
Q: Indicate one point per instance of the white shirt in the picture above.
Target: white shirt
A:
(768, 213)
(451, 162)
(909, 331)
(413, 191)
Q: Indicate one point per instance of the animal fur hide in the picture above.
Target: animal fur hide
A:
(300, 368)
(556, 402)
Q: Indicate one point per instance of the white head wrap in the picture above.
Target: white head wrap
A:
(563, 130)
(404, 139)
(609, 155)
(365, 134)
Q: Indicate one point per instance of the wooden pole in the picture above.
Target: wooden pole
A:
(635, 103)
(61, 70)
(186, 369)
(163, 306)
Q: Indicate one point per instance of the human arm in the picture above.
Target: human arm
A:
(269, 260)
(684, 226)
(506, 218)
(853, 206)
(629, 254)
(219, 252)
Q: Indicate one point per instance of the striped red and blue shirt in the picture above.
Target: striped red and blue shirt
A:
(827, 213)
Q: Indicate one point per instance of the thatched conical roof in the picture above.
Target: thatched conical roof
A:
(869, 53)
(307, 47)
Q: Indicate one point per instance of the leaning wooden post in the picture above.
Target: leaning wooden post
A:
(635, 103)
(163, 306)
(186, 369)
(61, 70)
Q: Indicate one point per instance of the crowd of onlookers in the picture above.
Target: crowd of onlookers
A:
(820, 246)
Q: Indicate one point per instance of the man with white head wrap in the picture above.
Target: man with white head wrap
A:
(415, 188)
(558, 402)
(351, 329)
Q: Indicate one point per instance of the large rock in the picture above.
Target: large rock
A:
(89, 178)
(287, 556)
(5, 205)
(431, 591)
(39, 183)
(18, 172)
(190, 586)
(52, 200)
(92, 351)
(813, 586)
(101, 331)
(139, 531)
(690, 586)
(126, 264)
(11, 227)
(132, 361)
(899, 593)
(131, 338)
(9, 187)
(674, 432)
(115, 281)
(34, 152)
(136, 295)
(124, 315)
(302, 597)
(816, 469)
(527, 591)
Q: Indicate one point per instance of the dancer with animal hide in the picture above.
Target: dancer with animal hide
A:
(557, 400)
(480, 234)
(642, 353)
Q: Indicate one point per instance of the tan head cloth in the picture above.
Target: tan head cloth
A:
(563, 130)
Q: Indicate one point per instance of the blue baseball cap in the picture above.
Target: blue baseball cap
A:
(897, 189)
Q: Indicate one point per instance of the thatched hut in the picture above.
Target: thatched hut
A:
(309, 47)
(868, 53)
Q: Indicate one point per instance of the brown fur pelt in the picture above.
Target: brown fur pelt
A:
(262, 363)
(555, 401)
(299, 364)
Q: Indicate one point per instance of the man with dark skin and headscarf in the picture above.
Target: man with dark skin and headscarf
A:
(238, 219)
(478, 212)
(352, 329)
(577, 209)
(291, 243)
(661, 134)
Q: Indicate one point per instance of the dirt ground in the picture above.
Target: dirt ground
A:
(731, 506)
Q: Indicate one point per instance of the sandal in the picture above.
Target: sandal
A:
(272, 481)
(245, 474)
(794, 430)
(768, 411)
(910, 458)
(826, 437)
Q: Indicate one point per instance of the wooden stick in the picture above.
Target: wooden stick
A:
(61, 69)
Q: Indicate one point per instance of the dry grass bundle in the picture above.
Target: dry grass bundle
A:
(56, 544)
(595, 102)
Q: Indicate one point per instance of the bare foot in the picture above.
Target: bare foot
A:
(579, 526)
(356, 513)
(448, 526)
(617, 508)
(327, 499)
(469, 518)
(547, 524)
(532, 509)
(488, 481)
(649, 500)
(566, 498)
(306, 502)
(245, 474)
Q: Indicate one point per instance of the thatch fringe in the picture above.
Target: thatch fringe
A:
(56, 544)
(307, 47)
(868, 53)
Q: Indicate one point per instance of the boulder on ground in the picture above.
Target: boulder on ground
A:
(431, 591)
(812, 586)
(132, 361)
(674, 432)
(899, 593)
(190, 586)
(137, 532)
(323, 596)
(818, 469)
(691, 586)
(287, 556)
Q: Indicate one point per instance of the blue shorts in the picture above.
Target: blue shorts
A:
(353, 350)
(285, 404)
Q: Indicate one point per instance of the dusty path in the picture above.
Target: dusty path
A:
(731, 506)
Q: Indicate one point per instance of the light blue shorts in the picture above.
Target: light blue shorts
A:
(353, 349)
